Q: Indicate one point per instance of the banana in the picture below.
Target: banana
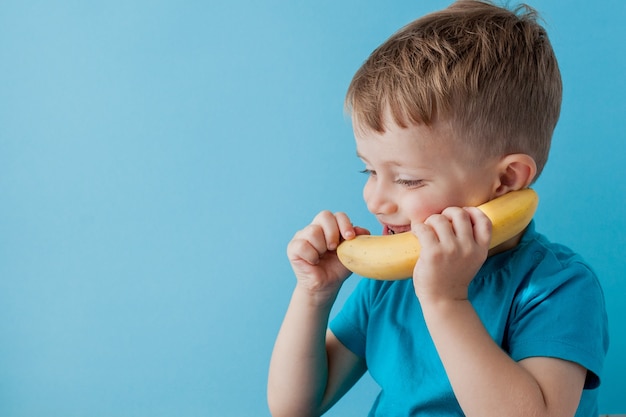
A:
(393, 257)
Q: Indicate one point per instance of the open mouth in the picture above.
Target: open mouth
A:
(394, 230)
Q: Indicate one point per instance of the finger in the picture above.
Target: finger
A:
(300, 249)
(481, 225)
(330, 230)
(461, 223)
(345, 225)
(425, 234)
(442, 226)
(361, 231)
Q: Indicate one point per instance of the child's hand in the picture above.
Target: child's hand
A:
(312, 252)
(454, 244)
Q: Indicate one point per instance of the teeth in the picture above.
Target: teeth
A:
(391, 232)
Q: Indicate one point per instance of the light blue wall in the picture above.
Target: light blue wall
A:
(157, 156)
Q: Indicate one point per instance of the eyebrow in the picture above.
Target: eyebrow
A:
(361, 157)
(392, 163)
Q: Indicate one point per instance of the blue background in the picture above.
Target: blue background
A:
(157, 156)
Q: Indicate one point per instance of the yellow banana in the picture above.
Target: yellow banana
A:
(393, 257)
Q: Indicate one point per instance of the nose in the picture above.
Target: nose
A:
(378, 198)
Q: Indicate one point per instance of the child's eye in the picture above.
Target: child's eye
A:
(369, 172)
(409, 183)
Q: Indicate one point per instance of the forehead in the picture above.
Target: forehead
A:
(441, 134)
(419, 147)
(412, 148)
(394, 137)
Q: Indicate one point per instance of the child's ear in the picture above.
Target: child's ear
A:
(515, 172)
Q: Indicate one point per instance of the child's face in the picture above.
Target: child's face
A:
(418, 171)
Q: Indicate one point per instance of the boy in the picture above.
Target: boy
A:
(455, 109)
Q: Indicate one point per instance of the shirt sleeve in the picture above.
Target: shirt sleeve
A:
(561, 314)
(350, 324)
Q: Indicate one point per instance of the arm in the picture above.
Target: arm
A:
(310, 369)
(485, 380)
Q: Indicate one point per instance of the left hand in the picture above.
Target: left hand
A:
(454, 244)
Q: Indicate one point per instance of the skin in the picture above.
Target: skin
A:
(417, 180)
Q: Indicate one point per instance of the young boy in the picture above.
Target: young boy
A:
(455, 109)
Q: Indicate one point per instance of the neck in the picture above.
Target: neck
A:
(507, 245)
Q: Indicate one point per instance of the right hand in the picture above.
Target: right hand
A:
(313, 256)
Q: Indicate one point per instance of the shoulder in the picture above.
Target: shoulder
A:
(558, 307)
(540, 258)
(554, 262)
(538, 270)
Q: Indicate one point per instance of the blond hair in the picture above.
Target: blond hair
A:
(489, 72)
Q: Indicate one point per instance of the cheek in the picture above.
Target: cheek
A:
(367, 191)
(420, 210)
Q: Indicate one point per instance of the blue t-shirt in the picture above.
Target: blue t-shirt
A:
(538, 299)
